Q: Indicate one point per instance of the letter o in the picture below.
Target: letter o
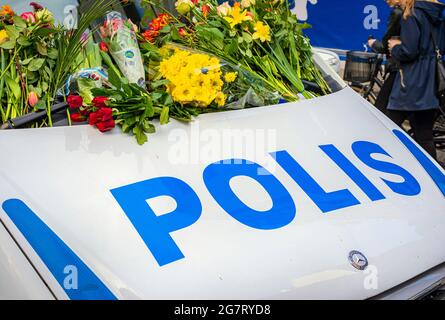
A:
(217, 178)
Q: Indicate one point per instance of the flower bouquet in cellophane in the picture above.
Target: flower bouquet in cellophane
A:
(261, 36)
(120, 38)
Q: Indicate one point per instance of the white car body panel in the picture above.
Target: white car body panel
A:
(18, 279)
(65, 176)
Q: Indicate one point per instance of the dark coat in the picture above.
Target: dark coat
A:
(415, 86)
(393, 29)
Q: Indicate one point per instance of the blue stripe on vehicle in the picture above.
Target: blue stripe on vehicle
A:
(430, 167)
(73, 275)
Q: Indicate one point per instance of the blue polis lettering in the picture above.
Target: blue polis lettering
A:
(156, 230)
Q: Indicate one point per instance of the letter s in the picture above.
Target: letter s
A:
(364, 151)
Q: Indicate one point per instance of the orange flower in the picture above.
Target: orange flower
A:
(150, 35)
(6, 11)
(205, 10)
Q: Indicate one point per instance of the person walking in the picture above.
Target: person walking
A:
(392, 68)
(413, 96)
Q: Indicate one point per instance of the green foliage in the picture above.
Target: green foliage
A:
(39, 57)
(281, 62)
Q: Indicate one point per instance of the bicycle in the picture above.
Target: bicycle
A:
(365, 73)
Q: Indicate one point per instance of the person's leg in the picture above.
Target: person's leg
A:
(397, 116)
(423, 123)
(385, 92)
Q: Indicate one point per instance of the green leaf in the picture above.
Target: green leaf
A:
(53, 53)
(100, 92)
(114, 78)
(36, 64)
(13, 32)
(125, 127)
(40, 105)
(127, 88)
(141, 137)
(149, 111)
(164, 118)
(44, 32)
(41, 48)
(156, 96)
(8, 45)
(247, 37)
(26, 61)
(45, 86)
(14, 87)
(19, 22)
(149, 127)
(159, 83)
(23, 41)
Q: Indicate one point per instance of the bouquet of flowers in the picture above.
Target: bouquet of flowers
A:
(120, 39)
(37, 57)
(199, 80)
(184, 83)
(28, 58)
(261, 36)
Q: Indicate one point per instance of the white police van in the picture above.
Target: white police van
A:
(320, 199)
(324, 198)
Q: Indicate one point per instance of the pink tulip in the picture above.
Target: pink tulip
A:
(29, 17)
(33, 99)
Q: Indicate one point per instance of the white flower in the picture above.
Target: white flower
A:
(184, 6)
(247, 3)
(224, 9)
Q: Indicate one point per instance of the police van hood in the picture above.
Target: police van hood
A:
(59, 201)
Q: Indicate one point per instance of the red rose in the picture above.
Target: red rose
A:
(195, 2)
(84, 111)
(105, 126)
(103, 46)
(76, 117)
(99, 102)
(74, 102)
(102, 119)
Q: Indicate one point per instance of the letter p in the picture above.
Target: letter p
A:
(155, 230)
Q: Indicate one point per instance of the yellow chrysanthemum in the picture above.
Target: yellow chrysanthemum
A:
(262, 32)
(230, 77)
(237, 16)
(194, 78)
(3, 36)
(220, 99)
